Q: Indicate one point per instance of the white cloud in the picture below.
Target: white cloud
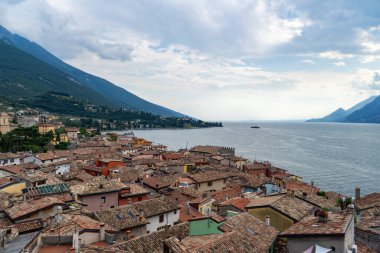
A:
(340, 63)
(308, 61)
(334, 55)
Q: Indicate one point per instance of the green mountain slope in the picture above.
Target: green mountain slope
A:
(116, 95)
(22, 75)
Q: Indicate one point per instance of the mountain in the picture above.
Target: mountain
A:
(112, 94)
(23, 75)
(370, 113)
(335, 116)
(340, 114)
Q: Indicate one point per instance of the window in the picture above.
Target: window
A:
(161, 218)
(333, 249)
(175, 211)
(103, 199)
(12, 160)
(112, 206)
(209, 183)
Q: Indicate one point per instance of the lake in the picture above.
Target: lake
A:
(337, 156)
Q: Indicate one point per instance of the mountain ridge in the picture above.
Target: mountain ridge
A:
(118, 96)
(341, 115)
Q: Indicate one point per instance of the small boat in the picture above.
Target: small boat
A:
(255, 127)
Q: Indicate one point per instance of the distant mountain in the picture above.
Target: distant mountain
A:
(111, 94)
(370, 113)
(335, 116)
(340, 115)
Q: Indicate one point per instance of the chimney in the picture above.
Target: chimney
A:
(157, 185)
(102, 232)
(267, 220)
(76, 241)
(52, 221)
(312, 183)
(357, 193)
(304, 195)
(293, 193)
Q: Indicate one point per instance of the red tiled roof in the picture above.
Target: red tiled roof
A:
(238, 202)
(336, 224)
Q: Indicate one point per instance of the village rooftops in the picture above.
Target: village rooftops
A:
(10, 155)
(187, 213)
(154, 242)
(336, 225)
(122, 217)
(213, 150)
(50, 156)
(156, 206)
(155, 183)
(368, 201)
(29, 226)
(98, 185)
(44, 190)
(242, 233)
(23, 209)
(208, 176)
(135, 190)
(292, 207)
(319, 201)
(238, 203)
(72, 223)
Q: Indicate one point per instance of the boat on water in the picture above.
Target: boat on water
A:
(255, 127)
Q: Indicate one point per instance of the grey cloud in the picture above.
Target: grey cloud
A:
(375, 85)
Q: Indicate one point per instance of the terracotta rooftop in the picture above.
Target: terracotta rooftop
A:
(368, 201)
(337, 224)
(27, 207)
(29, 226)
(71, 223)
(156, 206)
(5, 200)
(97, 185)
(50, 156)
(121, 217)
(207, 176)
(243, 233)
(135, 190)
(369, 220)
(292, 207)
(238, 203)
(155, 183)
(318, 201)
(154, 242)
(10, 155)
(187, 212)
(222, 195)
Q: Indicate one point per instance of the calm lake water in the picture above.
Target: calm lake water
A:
(337, 156)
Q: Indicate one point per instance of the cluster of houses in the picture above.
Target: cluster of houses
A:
(127, 194)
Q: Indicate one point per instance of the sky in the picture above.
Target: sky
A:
(217, 59)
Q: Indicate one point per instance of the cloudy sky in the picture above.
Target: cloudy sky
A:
(215, 59)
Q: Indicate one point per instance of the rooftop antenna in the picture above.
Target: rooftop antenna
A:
(187, 143)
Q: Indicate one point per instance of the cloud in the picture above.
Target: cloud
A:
(375, 85)
(334, 55)
(309, 62)
(340, 63)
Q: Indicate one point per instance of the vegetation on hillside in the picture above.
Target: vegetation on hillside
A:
(25, 139)
(104, 118)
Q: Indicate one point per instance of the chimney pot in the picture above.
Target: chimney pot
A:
(267, 220)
